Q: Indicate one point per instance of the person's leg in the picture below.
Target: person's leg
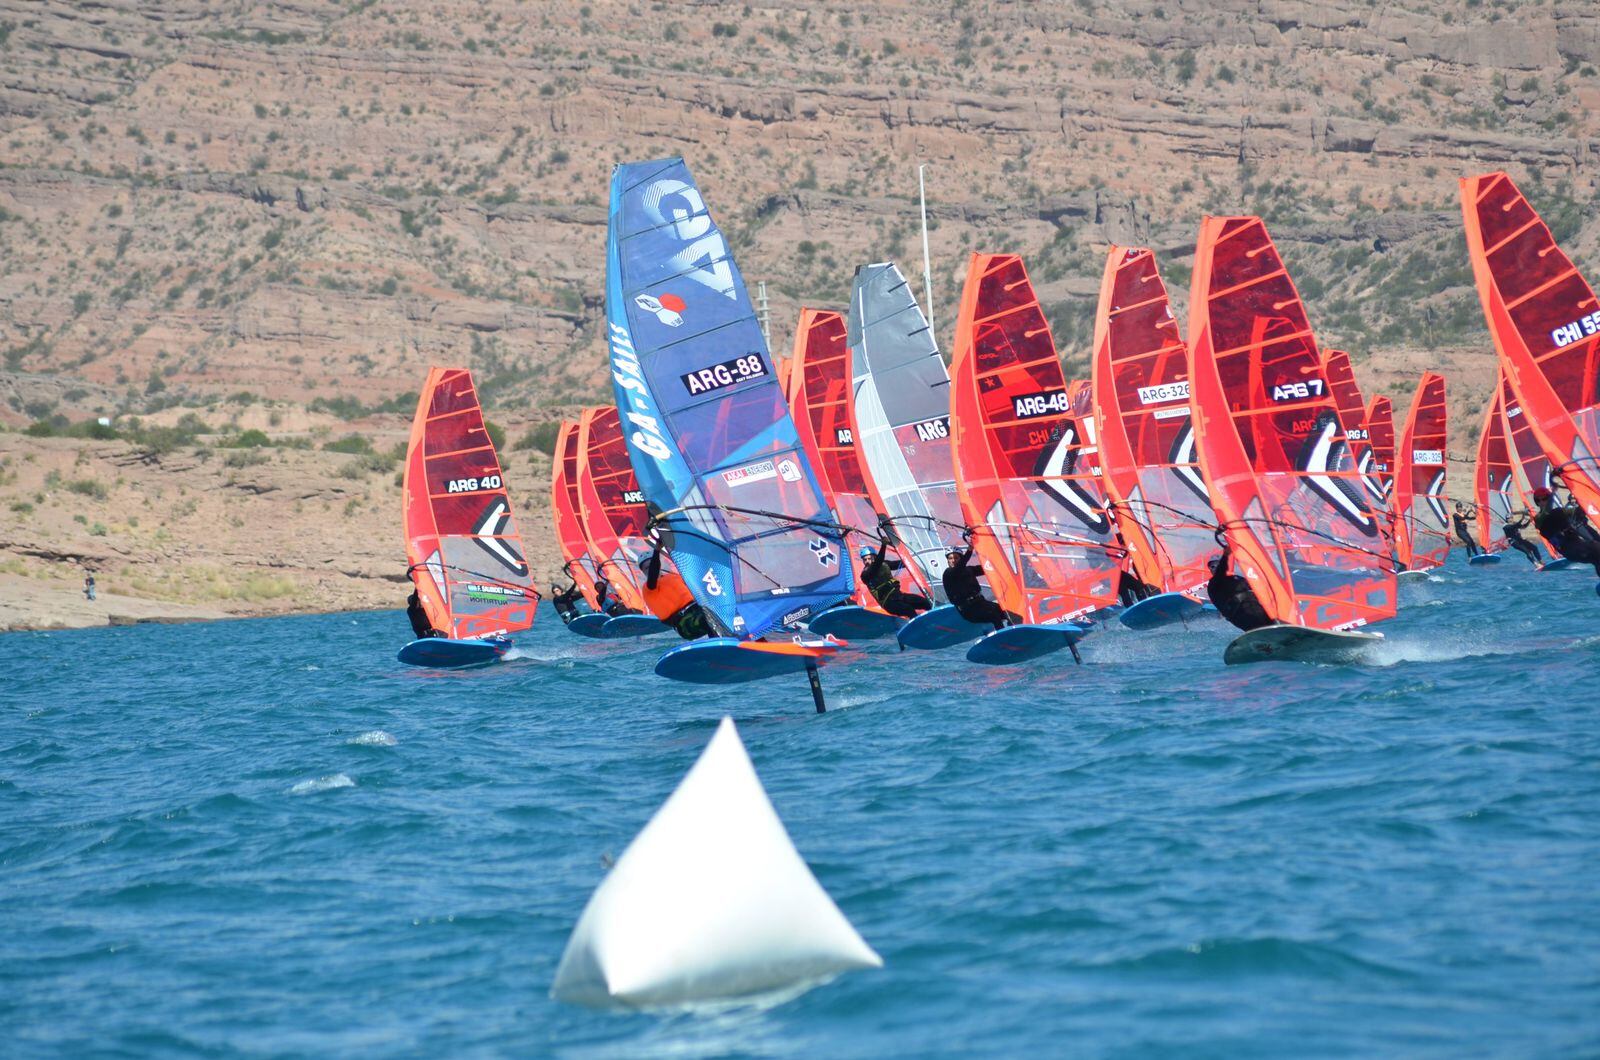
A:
(906, 605)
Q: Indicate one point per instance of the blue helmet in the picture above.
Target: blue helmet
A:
(867, 552)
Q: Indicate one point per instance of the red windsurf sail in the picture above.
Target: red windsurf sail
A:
(1146, 435)
(1493, 478)
(1270, 439)
(578, 565)
(1037, 513)
(1421, 522)
(461, 542)
(1379, 477)
(1531, 465)
(820, 398)
(611, 506)
(1545, 322)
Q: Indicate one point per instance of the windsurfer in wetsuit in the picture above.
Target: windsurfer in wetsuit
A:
(606, 602)
(1232, 596)
(1513, 531)
(961, 586)
(1458, 518)
(1567, 529)
(420, 624)
(566, 602)
(667, 595)
(878, 577)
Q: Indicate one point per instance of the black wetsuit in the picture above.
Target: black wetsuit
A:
(1233, 598)
(1569, 533)
(566, 602)
(688, 621)
(1513, 531)
(1459, 519)
(1130, 590)
(878, 577)
(961, 586)
(608, 603)
(419, 618)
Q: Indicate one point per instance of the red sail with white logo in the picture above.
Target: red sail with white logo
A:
(1545, 322)
(578, 565)
(1037, 513)
(1146, 437)
(820, 398)
(1353, 415)
(1421, 521)
(610, 506)
(1531, 465)
(1379, 478)
(1493, 479)
(1270, 440)
(461, 542)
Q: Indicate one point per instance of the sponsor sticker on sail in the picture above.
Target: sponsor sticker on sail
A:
(756, 472)
(1427, 456)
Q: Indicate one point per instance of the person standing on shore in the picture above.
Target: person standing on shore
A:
(88, 586)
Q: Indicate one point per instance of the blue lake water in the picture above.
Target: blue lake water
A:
(268, 837)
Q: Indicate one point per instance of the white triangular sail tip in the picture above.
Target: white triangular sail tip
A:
(710, 901)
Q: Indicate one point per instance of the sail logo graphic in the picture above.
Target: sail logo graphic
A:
(842, 436)
(668, 308)
(632, 391)
(1427, 456)
(490, 533)
(1357, 434)
(1164, 392)
(824, 552)
(1579, 329)
(731, 372)
(933, 430)
(633, 496)
(709, 580)
(788, 470)
(676, 206)
(1047, 403)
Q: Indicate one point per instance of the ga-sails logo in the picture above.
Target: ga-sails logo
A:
(646, 436)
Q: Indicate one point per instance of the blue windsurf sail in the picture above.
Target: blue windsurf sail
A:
(715, 451)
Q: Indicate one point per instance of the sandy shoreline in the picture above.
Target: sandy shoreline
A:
(29, 604)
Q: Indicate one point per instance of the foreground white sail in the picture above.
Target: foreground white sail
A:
(710, 901)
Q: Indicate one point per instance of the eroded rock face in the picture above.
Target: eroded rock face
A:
(308, 199)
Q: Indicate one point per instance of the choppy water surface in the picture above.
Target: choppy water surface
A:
(269, 837)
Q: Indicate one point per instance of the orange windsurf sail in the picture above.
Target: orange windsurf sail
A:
(1146, 437)
(578, 565)
(1037, 513)
(1421, 522)
(1545, 322)
(610, 506)
(461, 541)
(1270, 439)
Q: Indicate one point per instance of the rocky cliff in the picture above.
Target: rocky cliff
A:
(293, 208)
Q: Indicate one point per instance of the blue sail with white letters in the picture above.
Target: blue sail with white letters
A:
(713, 446)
